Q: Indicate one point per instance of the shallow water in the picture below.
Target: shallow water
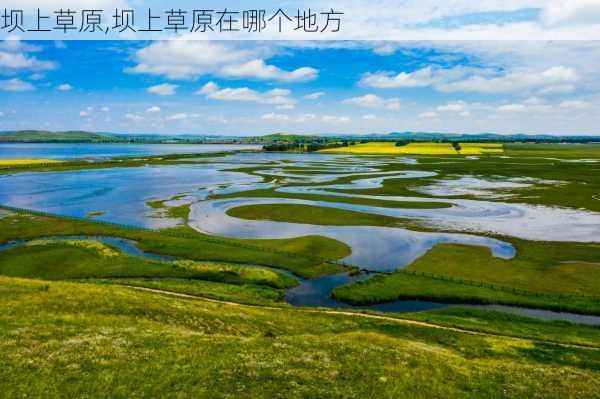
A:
(373, 248)
(317, 292)
(88, 150)
(121, 193)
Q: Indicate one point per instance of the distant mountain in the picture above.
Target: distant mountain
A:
(76, 136)
(43, 136)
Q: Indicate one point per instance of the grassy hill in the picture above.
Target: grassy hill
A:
(39, 136)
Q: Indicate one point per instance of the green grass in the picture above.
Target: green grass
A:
(62, 339)
(489, 321)
(553, 150)
(46, 136)
(580, 180)
(336, 198)
(386, 288)
(117, 162)
(303, 256)
(251, 294)
(297, 213)
(538, 268)
(56, 260)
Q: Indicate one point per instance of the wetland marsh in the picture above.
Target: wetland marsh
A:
(462, 244)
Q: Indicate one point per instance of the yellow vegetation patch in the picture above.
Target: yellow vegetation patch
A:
(390, 148)
(25, 162)
(100, 248)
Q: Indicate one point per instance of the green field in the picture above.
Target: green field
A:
(80, 318)
(390, 148)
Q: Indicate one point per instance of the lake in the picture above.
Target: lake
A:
(87, 150)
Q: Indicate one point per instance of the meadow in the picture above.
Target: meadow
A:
(186, 313)
(390, 148)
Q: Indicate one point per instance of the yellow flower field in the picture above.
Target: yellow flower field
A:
(24, 162)
(390, 148)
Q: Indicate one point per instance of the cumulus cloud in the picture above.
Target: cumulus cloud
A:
(64, 87)
(177, 117)
(544, 82)
(374, 101)
(278, 97)
(15, 58)
(512, 108)
(427, 114)
(134, 117)
(552, 80)
(259, 70)
(16, 85)
(458, 106)
(165, 89)
(577, 12)
(575, 104)
(189, 60)
(314, 96)
(271, 116)
(153, 110)
(335, 119)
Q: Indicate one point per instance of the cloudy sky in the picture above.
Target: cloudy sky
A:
(238, 88)
(448, 77)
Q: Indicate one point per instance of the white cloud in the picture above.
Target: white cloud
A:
(190, 59)
(386, 80)
(65, 87)
(369, 117)
(374, 101)
(305, 118)
(134, 117)
(104, 109)
(512, 108)
(516, 82)
(335, 120)
(13, 58)
(427, 114)
(458, 106)
(278, 97)
(259, 70)
(577, 12)
(314, 96)
(575, 104)
(552, 80)
(153, 110)
(84, 113)
(164, 89)
(178, 116)
(275, 117)
(15, 85)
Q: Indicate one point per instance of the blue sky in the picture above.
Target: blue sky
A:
(242, 88)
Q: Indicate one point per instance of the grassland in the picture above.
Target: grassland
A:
(297, 213)
(390, 148)
(70, 339)
(83, 319)
(554, 276)
(305, 256)
(88, 259)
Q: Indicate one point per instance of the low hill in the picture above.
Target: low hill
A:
(43, 136)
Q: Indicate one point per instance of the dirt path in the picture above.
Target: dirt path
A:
(358, 314)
